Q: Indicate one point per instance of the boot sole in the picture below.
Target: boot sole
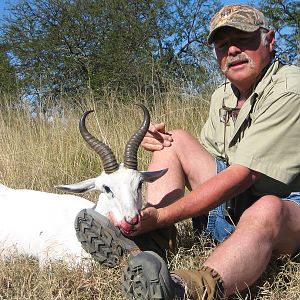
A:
(147, 278)
(101, 239)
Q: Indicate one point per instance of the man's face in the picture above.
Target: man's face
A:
(242, 55)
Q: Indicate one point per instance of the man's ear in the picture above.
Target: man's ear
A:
(271, 39)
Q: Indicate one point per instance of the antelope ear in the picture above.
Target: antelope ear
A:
(79, 187)
(151, 176)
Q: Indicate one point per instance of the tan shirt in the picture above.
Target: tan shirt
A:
(266, 134)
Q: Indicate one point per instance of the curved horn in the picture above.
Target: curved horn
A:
(108, 159)
(131, 148)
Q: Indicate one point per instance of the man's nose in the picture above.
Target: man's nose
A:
(234, 50)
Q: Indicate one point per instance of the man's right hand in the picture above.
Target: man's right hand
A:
(157, 138)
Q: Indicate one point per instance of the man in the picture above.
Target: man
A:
(252, 139)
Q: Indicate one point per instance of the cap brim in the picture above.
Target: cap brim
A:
(250, 28)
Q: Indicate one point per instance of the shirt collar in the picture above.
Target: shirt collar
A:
(231, 92)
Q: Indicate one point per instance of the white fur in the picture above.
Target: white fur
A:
(41, 224)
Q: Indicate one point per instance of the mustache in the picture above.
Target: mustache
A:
(240, 58)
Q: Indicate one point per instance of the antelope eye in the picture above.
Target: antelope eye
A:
(107, 189)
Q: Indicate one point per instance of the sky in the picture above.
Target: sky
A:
(4, 5)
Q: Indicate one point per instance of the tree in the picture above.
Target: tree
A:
(8, 79)
(183, 48)
(69, 45)
(284, 17)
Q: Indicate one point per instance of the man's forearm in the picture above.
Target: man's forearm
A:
(209, 195)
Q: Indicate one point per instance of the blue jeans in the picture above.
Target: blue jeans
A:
(220, 227)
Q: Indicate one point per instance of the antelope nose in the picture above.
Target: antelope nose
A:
(133, 221)
(127, 224)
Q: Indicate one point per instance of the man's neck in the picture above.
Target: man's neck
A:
(242, 95)
(243, 92)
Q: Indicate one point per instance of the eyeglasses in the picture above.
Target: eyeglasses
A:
(225, 113)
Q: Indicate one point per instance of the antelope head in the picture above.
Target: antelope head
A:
(119, 184)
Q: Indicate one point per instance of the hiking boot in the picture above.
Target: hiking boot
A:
(106, 243)
(99, 237)
(202, 284)
(147, 278)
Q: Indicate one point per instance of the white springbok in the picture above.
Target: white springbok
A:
(41, 224)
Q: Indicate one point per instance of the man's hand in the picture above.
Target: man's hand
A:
(149, 220)
(157, 138)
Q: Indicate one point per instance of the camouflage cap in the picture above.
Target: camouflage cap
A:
(242, 17)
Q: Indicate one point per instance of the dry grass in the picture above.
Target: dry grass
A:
(38, 154)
